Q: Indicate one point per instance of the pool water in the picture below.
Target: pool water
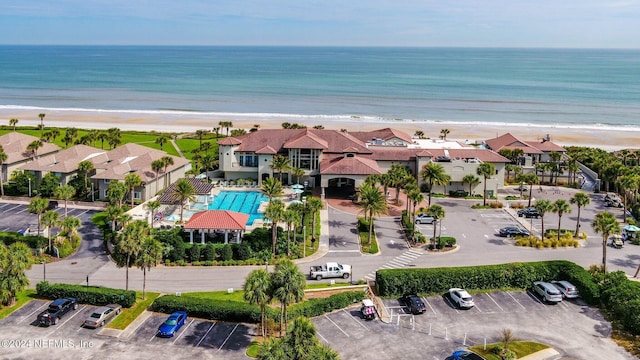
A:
(246, 202)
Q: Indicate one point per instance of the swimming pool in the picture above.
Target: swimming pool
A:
(246, 202)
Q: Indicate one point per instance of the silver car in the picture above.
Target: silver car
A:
(461, 298)
(547, 291)
(567, 289)
(101, 315)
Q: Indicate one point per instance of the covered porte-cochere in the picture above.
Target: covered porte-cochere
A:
(230, 222)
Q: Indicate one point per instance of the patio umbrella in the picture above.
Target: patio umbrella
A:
(300, 191)
(631, 228)
(297, 186)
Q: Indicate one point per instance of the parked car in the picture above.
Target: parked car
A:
(329, 270)
(529, 213)
(101, 315)
(510, 231)
(368, 309)
(466, 355)
(424, 219)
(173, 323)
(414, 303)
(547, 291)
(616, 241)
(58, 308)
(613, 203)
(568, 290)
(461, 297)
(52, 205)
(611, 196)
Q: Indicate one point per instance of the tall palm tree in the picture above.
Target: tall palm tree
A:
(13, 122)
(280, 164)
(200, 133)
(85, 168)
(161, 140)
(167, 161)
(288, 287)
(486, 170)
(561, 207)
(437, 212)
(257, 291)
(372, 203)
(301, 339)
(416, 197)
(3, 158)
(184, 191)
(605, 223)
(152, 205)
(444, 133)
(41, 116)
(400, 176)
(38, 206)
(472, 180)
(116, 192)
(298, 173)
(275, 213)
(272, 187)
(14, 261)
(419, 134)
(580, 200)
(225, 124)
(150, 255)
(112, 213)
(115, 137)
(543, 206)
(156, 166)
(70, 225)
(102, 136)
(65, 193)
(628, 182)
(555, 158)
(132, 180)
(313, 205)
(433, 174)
(290, 217)
(530, 179)
(50, 219)
(130, 242)
(34, 146)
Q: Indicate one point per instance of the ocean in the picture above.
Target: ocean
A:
(562, 87)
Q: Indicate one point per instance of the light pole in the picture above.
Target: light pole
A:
(304, 241)
(44, 270)
(29, 187)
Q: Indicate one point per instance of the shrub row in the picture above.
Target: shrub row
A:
(236, 311)
(396, 282)
(87, 294)
(533, 241)
(621, 298)
(34, 242)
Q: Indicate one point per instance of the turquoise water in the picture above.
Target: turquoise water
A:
(246, 202)
(570, 87)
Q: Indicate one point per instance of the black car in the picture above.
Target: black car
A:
(414, 303)
(510, 231)
(529, 213)
(52, 205)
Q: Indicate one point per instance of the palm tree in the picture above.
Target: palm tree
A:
(606, 224)
(290, 217)
(372, 203)
(288, 287)
(433, 173)
(116, 192)
(41, 116)
(152, 205)
(400, 176)
(419, 134)
(627, 183)
(38, 206)
(543, 206)
(416, 197)
(472, 180)
(115, 136)
(217, 131)
(13, 122)
(581, 200)
(561, 207)
(185, 191)
(85, 167)
(167, 161)
(34, 146)
(555, 158)
(313, 205)
(66, 193)
(437, 212)
(508, 169)
(200, 133)
(156, 166)
(275, 213)
(50, 219)
(530, 179)
(14, 261)
(298, 173)
(486, 170)
(3, 158)
(280, 164)
(444, 133)
(150, 255)
(112, 213)
(301, 340)
(257, 291)
(102, 136)
(272, 187)
(70, 225)
(130, 242)
(132, 180)
(225, 124)
(161, 140)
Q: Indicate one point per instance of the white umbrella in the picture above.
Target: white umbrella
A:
(297, 186)
(297, 191)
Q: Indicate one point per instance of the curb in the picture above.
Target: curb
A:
(549, 353)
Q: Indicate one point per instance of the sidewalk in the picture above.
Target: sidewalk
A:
(546, 354)
(323, 244)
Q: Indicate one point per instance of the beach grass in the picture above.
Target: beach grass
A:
(22, 297)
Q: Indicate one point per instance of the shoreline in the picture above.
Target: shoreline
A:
(608, 138)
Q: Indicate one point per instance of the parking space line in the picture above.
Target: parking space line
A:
(33, 312)
(430, 307)
(534, 297)
(184, 330)
(451, 304)
(336, 325)
(323, 338)
(82, 213)
(354, 320)
(66, 321)
(21, 211)
(205, 334)
(228, 336)
(495, 302)
(516, 300)
(15, 207)
(154, 335)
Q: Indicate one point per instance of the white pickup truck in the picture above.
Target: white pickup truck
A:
(330, 270)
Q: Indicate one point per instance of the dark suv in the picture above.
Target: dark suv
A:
(414, 303)
(52, 205)
(529, 213)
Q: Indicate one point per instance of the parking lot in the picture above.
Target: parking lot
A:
(573, 329)
(21, 337)
(16, 217)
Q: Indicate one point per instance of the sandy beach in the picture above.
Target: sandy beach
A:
(607, 138)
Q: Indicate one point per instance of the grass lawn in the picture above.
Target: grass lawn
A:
(521, 348)
(237, 295)
(364, 242)
(186, 145)
(324, 286)
(253, 349)
(22, 298)
(129, 315)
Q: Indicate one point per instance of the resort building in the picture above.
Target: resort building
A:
(339, 161)
(63, 164)
(534, 151)
(15, 146)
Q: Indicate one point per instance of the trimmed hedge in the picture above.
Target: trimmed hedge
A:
(236, 311)
(87, 294)
(396, 282)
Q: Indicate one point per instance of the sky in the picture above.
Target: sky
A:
(421, 23)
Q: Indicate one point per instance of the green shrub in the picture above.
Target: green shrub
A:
(209, 252)
(34, 242)
(205, 308)
(226, 253)
(93, 295)
(242, 251)
(316, 307)
(194, 253)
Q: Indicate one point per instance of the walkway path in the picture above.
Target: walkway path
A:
(173, 143)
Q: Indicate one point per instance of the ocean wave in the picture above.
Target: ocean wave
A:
(307, 118)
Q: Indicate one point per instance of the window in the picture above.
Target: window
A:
(137, 195)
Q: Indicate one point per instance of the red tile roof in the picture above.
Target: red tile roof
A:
(349, 165)
(218, 219)
(509, 141)
(384, 134)
(546, 146)
(267, 150)
(330, 141)
(306, 140)
(229, 141)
